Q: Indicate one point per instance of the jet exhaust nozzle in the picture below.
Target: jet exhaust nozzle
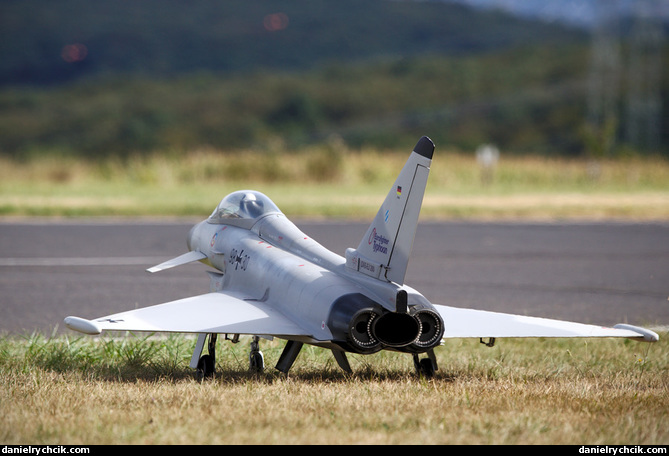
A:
(361, 330)
(431, 329)
(396, 330)
(351, 321)
(363, 326)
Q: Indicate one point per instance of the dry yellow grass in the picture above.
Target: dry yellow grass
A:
(518, 392)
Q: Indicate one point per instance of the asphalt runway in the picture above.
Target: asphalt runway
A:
(599, 273)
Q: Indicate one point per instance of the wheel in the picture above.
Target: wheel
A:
(205, 367)
(426, 368)
(256, 361)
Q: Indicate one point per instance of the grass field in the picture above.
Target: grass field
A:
(333, 181)
(139, 390)
(136, 390)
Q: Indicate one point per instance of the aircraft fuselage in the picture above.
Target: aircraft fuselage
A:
(274, 259)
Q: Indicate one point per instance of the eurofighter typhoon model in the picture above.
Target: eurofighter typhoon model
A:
(272, 280)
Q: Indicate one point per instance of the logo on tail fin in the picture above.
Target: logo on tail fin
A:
(378, 242)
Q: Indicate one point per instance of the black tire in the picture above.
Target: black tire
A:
(205, 367)
(426, 368)
(256, 362)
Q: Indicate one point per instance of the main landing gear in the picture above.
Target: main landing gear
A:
(205, 365)
(426, 367)
(256, 359)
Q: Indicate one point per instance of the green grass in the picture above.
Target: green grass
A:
(139, 390)
(334, 181)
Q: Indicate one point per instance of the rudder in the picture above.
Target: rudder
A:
(384, 251)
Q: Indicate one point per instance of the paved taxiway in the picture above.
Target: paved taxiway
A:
(599, 273)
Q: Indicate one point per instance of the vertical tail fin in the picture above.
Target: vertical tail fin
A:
(384, 250)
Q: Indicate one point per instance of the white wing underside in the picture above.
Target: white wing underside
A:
(471, 323)
(220, 313)
(227, 313)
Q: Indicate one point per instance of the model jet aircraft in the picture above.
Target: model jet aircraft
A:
(272, 280)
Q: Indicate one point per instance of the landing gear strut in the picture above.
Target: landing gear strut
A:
(426, 367)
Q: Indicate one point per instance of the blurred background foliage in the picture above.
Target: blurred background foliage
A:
(124, 78)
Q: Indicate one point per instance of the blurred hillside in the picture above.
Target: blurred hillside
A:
(118, 78)
(161, 38)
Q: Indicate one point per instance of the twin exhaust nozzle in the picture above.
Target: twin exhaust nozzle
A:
(415, 331)
(359, 324)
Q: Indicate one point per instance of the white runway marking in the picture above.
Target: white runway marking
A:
(79, 261)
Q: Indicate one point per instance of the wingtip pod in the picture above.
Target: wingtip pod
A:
(646, 334)
(82, 325)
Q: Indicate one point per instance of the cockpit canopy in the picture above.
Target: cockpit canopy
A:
(242, 208)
